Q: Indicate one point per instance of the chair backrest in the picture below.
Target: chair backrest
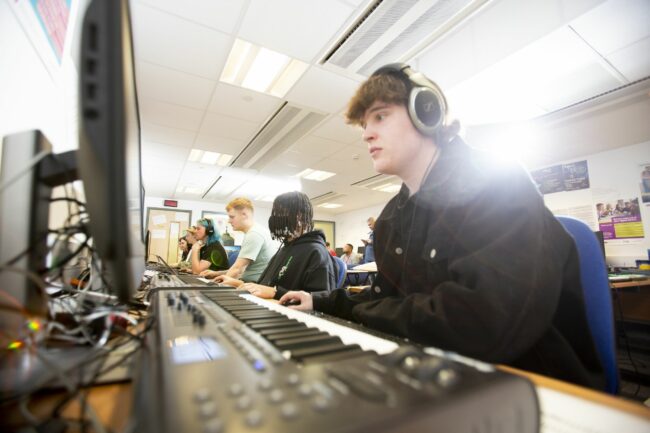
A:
(341, 269)
(597, 294)
(232, 257)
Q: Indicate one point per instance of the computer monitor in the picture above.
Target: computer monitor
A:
(109, 144)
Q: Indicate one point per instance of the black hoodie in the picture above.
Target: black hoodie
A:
(475, 263)
(302, 264)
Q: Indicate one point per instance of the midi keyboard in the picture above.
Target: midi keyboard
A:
(218, 361)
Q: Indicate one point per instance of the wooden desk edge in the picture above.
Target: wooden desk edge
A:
(614, 402)
(633, 283)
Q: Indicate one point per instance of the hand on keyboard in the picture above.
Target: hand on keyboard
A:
(298, 301)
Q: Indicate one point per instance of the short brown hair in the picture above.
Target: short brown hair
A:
(239, 203)
(386, 88)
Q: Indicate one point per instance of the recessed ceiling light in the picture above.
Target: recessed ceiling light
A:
(209, 158)
(258, 68)
(317, 175)
(330, 205)
(388, 187)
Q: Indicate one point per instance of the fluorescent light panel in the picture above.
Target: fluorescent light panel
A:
(209, 158)
(260, 69)
(330, 205)
(388, 187)
(317, 175)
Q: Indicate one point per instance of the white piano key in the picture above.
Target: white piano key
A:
(347, 335)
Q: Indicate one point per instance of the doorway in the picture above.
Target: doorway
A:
(165, 226)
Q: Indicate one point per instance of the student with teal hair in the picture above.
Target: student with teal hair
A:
(207, 251)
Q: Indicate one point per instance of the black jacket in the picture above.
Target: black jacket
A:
(475, 263)
(302, 264)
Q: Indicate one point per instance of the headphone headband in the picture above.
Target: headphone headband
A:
(427, 105)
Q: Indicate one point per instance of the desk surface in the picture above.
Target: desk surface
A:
(633, 283)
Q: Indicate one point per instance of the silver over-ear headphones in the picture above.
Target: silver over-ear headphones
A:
(427, 106)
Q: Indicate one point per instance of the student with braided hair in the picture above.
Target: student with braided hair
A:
(302, 263)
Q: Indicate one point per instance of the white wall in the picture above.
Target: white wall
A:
(613, 174)
(351, 227)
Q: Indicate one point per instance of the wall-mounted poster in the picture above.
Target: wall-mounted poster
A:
(645, 183)
(620, 219)
(564, 177)
(575, 176)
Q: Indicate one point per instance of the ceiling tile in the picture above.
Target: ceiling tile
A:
(317, 146)
(159, 152)
(168, 85)
(228, 127)
(633, 61)
(219, 144)
(298, 28)
(170, 115)
(219, 15)
(243, 103)
(336, 129)
(163, 134)
(174, 42)
(614, 25)
(323, 90)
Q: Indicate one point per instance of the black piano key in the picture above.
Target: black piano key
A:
(251, 307)
(260, 326)
(293, 334)
(338, 356)
(306, 341)
(300, 354)
(264, 320)
(256, 315)
(296, 327)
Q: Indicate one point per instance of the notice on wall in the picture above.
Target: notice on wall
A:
(158, 234)
(564, 177)
(158, 220)
(645, 183)
(620, 219)
(182, 217)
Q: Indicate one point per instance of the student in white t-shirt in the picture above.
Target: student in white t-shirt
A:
(257, 247)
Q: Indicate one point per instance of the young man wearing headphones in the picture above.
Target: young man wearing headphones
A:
(469, 259)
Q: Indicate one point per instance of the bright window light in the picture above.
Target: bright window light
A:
(317, 175)
(330, 205)
(260, 69)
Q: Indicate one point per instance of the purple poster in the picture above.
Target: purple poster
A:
(620, 219)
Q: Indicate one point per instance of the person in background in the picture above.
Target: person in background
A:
(185, 247)
(302, 263)
(369, 251)
(256, 248)
(349, 257)
(469, 259)
(207, 251)
(330, 250)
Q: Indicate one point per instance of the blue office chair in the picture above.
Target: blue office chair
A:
(232, 257)
(598, 298)
(340, 271)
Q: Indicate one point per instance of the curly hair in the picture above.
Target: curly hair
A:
(291, 211)
(391, 87)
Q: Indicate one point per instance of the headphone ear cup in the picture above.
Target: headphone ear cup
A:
(426, 109)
